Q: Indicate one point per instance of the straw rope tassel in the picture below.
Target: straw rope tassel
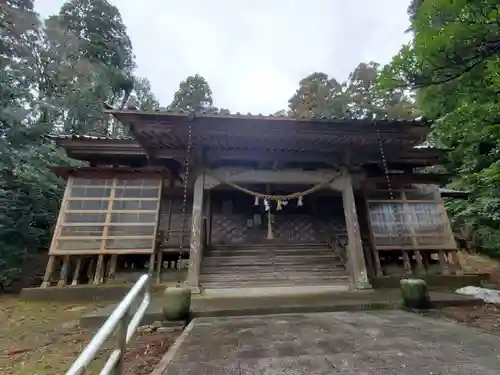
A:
(270, 235)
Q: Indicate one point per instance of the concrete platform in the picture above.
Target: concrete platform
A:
(274, 291)
(117, 292)
(324, 301)
(361, 343)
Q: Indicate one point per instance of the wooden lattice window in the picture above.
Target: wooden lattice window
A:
(414, 219)
(108, 216)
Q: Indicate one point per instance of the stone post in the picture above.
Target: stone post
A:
(196, 248)
(355, 256)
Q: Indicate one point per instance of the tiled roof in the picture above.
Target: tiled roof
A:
(215, 113)
(85, 137)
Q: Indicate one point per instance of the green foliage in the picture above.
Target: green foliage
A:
(54, 77)
(194, 94)
(143, 98)
(453, 62)
(318, 95)
(99, 26)
(359, 97)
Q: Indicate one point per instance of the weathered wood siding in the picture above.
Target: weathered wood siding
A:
(236, 219)
(171, 221)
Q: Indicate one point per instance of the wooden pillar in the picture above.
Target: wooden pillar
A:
(196, 247)
(64, 272)
(355, 255)
(411, 222)
(445, 270)
(99, 271)
(48, 271)
(76, 274)
(112, 266)
(91, 270)
(208, 215)
(159, 259)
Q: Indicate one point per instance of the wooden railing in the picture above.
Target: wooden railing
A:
(339, 248)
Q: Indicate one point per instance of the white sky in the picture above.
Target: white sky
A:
(253, 53)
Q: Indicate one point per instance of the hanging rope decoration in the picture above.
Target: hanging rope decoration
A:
(298, 195)
(281, 200)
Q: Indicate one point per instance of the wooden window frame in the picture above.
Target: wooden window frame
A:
(108, 212)
(403, 205)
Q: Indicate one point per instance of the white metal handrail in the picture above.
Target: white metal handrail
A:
(120, 322)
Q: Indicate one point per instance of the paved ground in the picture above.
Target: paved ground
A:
(362, 343)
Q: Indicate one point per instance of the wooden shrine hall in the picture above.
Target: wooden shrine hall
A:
(251, 201)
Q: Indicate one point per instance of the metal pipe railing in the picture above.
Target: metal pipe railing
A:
(122, 324)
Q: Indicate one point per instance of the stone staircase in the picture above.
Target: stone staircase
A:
(271, 265)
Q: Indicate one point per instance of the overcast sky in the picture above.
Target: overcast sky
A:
(253, 53)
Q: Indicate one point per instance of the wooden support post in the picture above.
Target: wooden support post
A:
(420, 264)
(442, 262)
(112, 266)
(355, 256)
(378, 265)
(456, 262)
(407, 263)
(159, 258)
(159, 265)
(373, 245)
(48, 271)
(91, 270)
(426, 256)
(64, 272)
(158, 235)
(196, 234)
(208, 215)
(99, 271)
(410, 221)
(151, 264)
(76, 274)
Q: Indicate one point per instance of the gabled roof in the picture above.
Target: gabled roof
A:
(159, 131)
(86, 137)
(98, 148)
(212, 112)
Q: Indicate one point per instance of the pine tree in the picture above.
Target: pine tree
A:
(194, 94)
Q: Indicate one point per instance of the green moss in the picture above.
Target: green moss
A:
(176, 303)
(415, 294)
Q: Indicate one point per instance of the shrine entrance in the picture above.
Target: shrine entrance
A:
(236, 219)
(294, 249)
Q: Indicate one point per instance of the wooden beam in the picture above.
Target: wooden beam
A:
(196, 247)
(99, 271)
(106, 252)
(48, 271)
(112, 266)
(356, 259)
(284, 176)
(63, 278)
(76, 274)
